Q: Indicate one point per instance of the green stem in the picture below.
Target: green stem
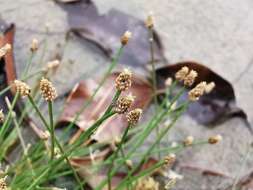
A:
(28, 65)
(56, 141)
(51, 126)
(37, 181)
(151, 125)
(6, 122)
(115, 154)
(153, 74)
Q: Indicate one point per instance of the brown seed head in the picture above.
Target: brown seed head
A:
(209, 87)
(169, 160)
(190, 78)
(1, 116)
(125, 37)
(124, 103)
(214, 139)
(150, 21)
(188, 141)
(35, 45)
(182, 73)
(22, 88)
(196, 92)
(147, 183)
(47, 89)
(5, 49)
(3, 185)
(123, 80)
(133, 116)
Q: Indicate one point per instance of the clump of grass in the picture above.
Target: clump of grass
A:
(49, 158)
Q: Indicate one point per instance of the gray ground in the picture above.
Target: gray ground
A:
(217, 33)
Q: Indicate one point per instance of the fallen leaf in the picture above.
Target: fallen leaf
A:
(105, 31)
(7, 67)
(113, 126)
(213, 108)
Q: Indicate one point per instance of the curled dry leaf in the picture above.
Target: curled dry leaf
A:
(105, 31)
(7, 67)
(212, 108)
(113, 126)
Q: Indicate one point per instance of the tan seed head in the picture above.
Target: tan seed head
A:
(125, 37)
(197, 92)
(3, 185)
(47, 89)
(169, 160)
(190, 78)
(146, 183)
(22, 88)
(150, 21)
(214, 139)
(133, 116)
(34, 45)
(182, 73)
(124, 103)
(209, 87)
(188, 141)
(123, 80)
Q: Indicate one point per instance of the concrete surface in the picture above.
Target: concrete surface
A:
(217, 33)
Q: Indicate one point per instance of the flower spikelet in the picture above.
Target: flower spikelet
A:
(125, 37)
(124, 103)
(214, 139)
(197, 92)
(190, 78)
(150, 21)
(188, 141)
(134, 116)
(123, 80)
(34, 45)
(209, 87)
(182, 73)
(3, 185)
(22, 88)
(47, 89)
(170, 159)
(147, 183)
